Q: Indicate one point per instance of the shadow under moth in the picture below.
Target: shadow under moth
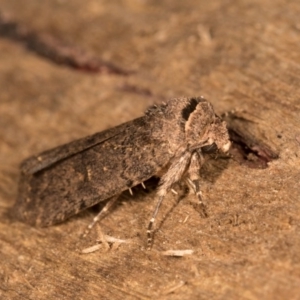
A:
(170, 141)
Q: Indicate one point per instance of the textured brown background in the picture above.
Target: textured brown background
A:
(238, 54)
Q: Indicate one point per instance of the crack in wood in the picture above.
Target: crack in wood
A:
(248, 148)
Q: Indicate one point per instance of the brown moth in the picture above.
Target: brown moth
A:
(169, 141)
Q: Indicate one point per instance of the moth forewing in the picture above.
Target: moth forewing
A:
(166, 141)
(47, 158)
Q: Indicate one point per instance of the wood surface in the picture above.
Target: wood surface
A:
(241, 55)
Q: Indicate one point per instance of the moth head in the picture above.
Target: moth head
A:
(218, 137)
(203, 128)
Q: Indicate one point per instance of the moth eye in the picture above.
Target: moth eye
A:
(210, 148)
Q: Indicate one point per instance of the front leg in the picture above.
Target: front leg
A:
(193, 179)
(175, 172)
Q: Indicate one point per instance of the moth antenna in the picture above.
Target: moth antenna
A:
(150, 225)
(143, 185)
(101, 214)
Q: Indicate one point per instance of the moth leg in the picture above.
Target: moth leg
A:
(130, 191)
(174, 192)
(150, 225)
(175, 172)
(101, 214)
(193, 179)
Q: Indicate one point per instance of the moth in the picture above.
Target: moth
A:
(170, 141)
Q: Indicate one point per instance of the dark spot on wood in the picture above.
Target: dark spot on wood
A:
(54, 50)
